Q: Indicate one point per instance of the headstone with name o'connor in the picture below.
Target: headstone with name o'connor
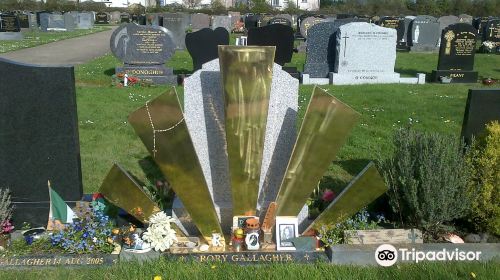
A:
(200, 21)
(424, 35)
(177, 23)
(10, 28)
(203, 44)
(39, 138)
(365, 54)
(456, 54)
(222, 21)
(481, 109)
(144, 51)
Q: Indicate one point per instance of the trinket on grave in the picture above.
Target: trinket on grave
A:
(269, 221)
(252, 241)
(216, 240)
(238, 239)
(251, 225)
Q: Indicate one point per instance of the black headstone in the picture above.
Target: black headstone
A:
(101, 18)
(456, 54)
(39, 138)
(483, 107)
(280, 20)
(144, 51)
(278, 35)
(202, 45)
(398, 24)
(492, 33)
(124, 18)
(252, 21)
(141, 19)
(9, 22)
(24, 21)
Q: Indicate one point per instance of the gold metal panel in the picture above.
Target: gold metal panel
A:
(367, 186)
(123, 191)
(246, 78)
(326, 125)
(160, 125)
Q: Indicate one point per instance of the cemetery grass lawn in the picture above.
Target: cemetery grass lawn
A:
(176, 270)
(32, 39)
(106, 137)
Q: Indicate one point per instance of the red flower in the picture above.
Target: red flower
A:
(328, 195)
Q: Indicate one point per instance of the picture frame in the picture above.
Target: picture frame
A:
(286, 228)
(239, 221)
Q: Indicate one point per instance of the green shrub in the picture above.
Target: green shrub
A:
(428, 178)
(485, 162)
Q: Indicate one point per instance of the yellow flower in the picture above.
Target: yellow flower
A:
(157, 277)
(473, 275)
(213, 266)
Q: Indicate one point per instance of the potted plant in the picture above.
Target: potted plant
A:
(5, 215)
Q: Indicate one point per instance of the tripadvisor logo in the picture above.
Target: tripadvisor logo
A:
(388, 255)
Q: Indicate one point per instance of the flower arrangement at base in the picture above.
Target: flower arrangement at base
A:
(5, 214)
(86, 234)
(159, 233)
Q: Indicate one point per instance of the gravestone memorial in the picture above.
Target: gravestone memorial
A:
(155, 19)
(44, 21)
(24, 21)
(84, 21)
(491, 33)
(10, 28)
(481, 109)
(456, 54)
(252, 21)
(222, 21)
(101, 18)
(124, 18)
(200, 21)
(115, 17)
(424, 34)
(277, 35)
(56, 22)
(39, 138)
(280, 20)
(307, 23)
(235, 17)
(365, 53)
(398, 24)
(144, 51)
(142, 20)
(69, 22)
(464, 18)
(480, 24)
(445, 21)
(177, 24)
(203, 45)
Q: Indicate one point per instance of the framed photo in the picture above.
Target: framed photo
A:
(239, 221)
(286, 228)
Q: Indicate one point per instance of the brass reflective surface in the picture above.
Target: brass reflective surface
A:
(367, 186)
(246, 78)
(160, 125)
(121, 189)
(326, 126)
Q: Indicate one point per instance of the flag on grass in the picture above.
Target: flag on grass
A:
(60, 213)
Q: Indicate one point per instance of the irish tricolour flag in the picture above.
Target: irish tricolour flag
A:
(59, 213)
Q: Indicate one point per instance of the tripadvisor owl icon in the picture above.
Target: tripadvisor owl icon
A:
(386, 255)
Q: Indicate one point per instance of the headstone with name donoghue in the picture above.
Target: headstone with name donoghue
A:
(144, 51)
(39, 127)
(424, 35)
(177, 24)
(10, 28)
(203, 44)
(456, 54)
(481, 109)
(365, 54)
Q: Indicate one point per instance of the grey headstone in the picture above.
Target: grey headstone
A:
(115, 17)
(445, 21)
(69, 22)
(365, 53)
(200, 21)
(235, 17)
(222, 21)
(204, 113)
(56, 22)
(465, 18)
(425, 34)
(44, 21)
(84, 21)
(177, 24)
(307, 23)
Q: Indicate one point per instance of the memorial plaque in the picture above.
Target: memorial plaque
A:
(456, 54)
(252, 257)
(115, 17)
(424, 35)
(9, 23)
(60, 260)
(101, 18)
(39, 138)
(203, 45)
(144, 50)
(177, 23)
(278, 35)
(482, 108)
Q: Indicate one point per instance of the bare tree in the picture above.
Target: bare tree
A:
(191, 3)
